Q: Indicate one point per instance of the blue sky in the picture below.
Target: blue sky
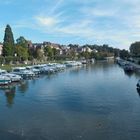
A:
(113, 22)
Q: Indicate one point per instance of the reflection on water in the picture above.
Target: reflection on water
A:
(129, 74)
(138, 90)
(23, 86)
(97, 102)
(10, 95)
(10, 91)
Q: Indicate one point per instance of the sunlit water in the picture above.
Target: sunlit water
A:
(97, 102)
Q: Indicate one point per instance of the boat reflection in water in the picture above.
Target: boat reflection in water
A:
(9, 91)
(129, 73)
(23, 86)
(138, 90)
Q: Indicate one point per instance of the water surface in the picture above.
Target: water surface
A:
(96, 102)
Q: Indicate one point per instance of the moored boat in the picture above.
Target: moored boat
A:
(34, 70)
(138, 84)
(4, 80)
(13, 77)
(22, 71)
(128, 68)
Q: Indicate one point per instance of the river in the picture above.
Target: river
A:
(95, 102)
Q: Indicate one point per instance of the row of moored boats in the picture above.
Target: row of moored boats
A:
(19, 73)
(128, 67)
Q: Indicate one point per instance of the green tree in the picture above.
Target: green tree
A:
(48, 51)
(86, 54)
(39, 54)
(21, 41)
(124, 54)
(22, 53)
(135, 49)
(8, 44)
(22, 48)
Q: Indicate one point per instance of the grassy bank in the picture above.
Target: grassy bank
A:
(9, 67)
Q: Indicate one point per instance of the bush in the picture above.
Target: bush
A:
(8, 59)
(1, 59)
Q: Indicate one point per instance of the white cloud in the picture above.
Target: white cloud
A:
(56, 6)
(98, 12)
(105, 22)
(46, 21)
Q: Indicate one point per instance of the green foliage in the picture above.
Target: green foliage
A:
(39, 54)
(22, 53)
(135, 49)
(8, 59)
(54, 50)
(21, 41)
(72, 54)
(21, 48)
(124, 54)
(1, 59)
(8, 44)
(49, 52)
(32, 53)
(86, 55)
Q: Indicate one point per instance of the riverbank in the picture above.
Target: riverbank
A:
(134, 65)
(9, 67)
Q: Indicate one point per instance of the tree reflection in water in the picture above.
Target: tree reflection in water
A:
(10, 95)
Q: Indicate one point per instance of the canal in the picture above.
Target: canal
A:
(95, 102)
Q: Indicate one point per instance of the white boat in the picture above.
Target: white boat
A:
(40, 68)
(72, 63)
(2, 71)
(22, 71)
(84, 62)
(60, 66)
(69, 63)
(78, 63)
(48, 69)
(34, 70)
(13, 77)
(4, 80)
(52, 66)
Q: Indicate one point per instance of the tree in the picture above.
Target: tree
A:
(48, 51)
(21, 41)
(124, 54)
(39, 54)
(8, 44)
(22, 48)
(22, 53)
(135, 49)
